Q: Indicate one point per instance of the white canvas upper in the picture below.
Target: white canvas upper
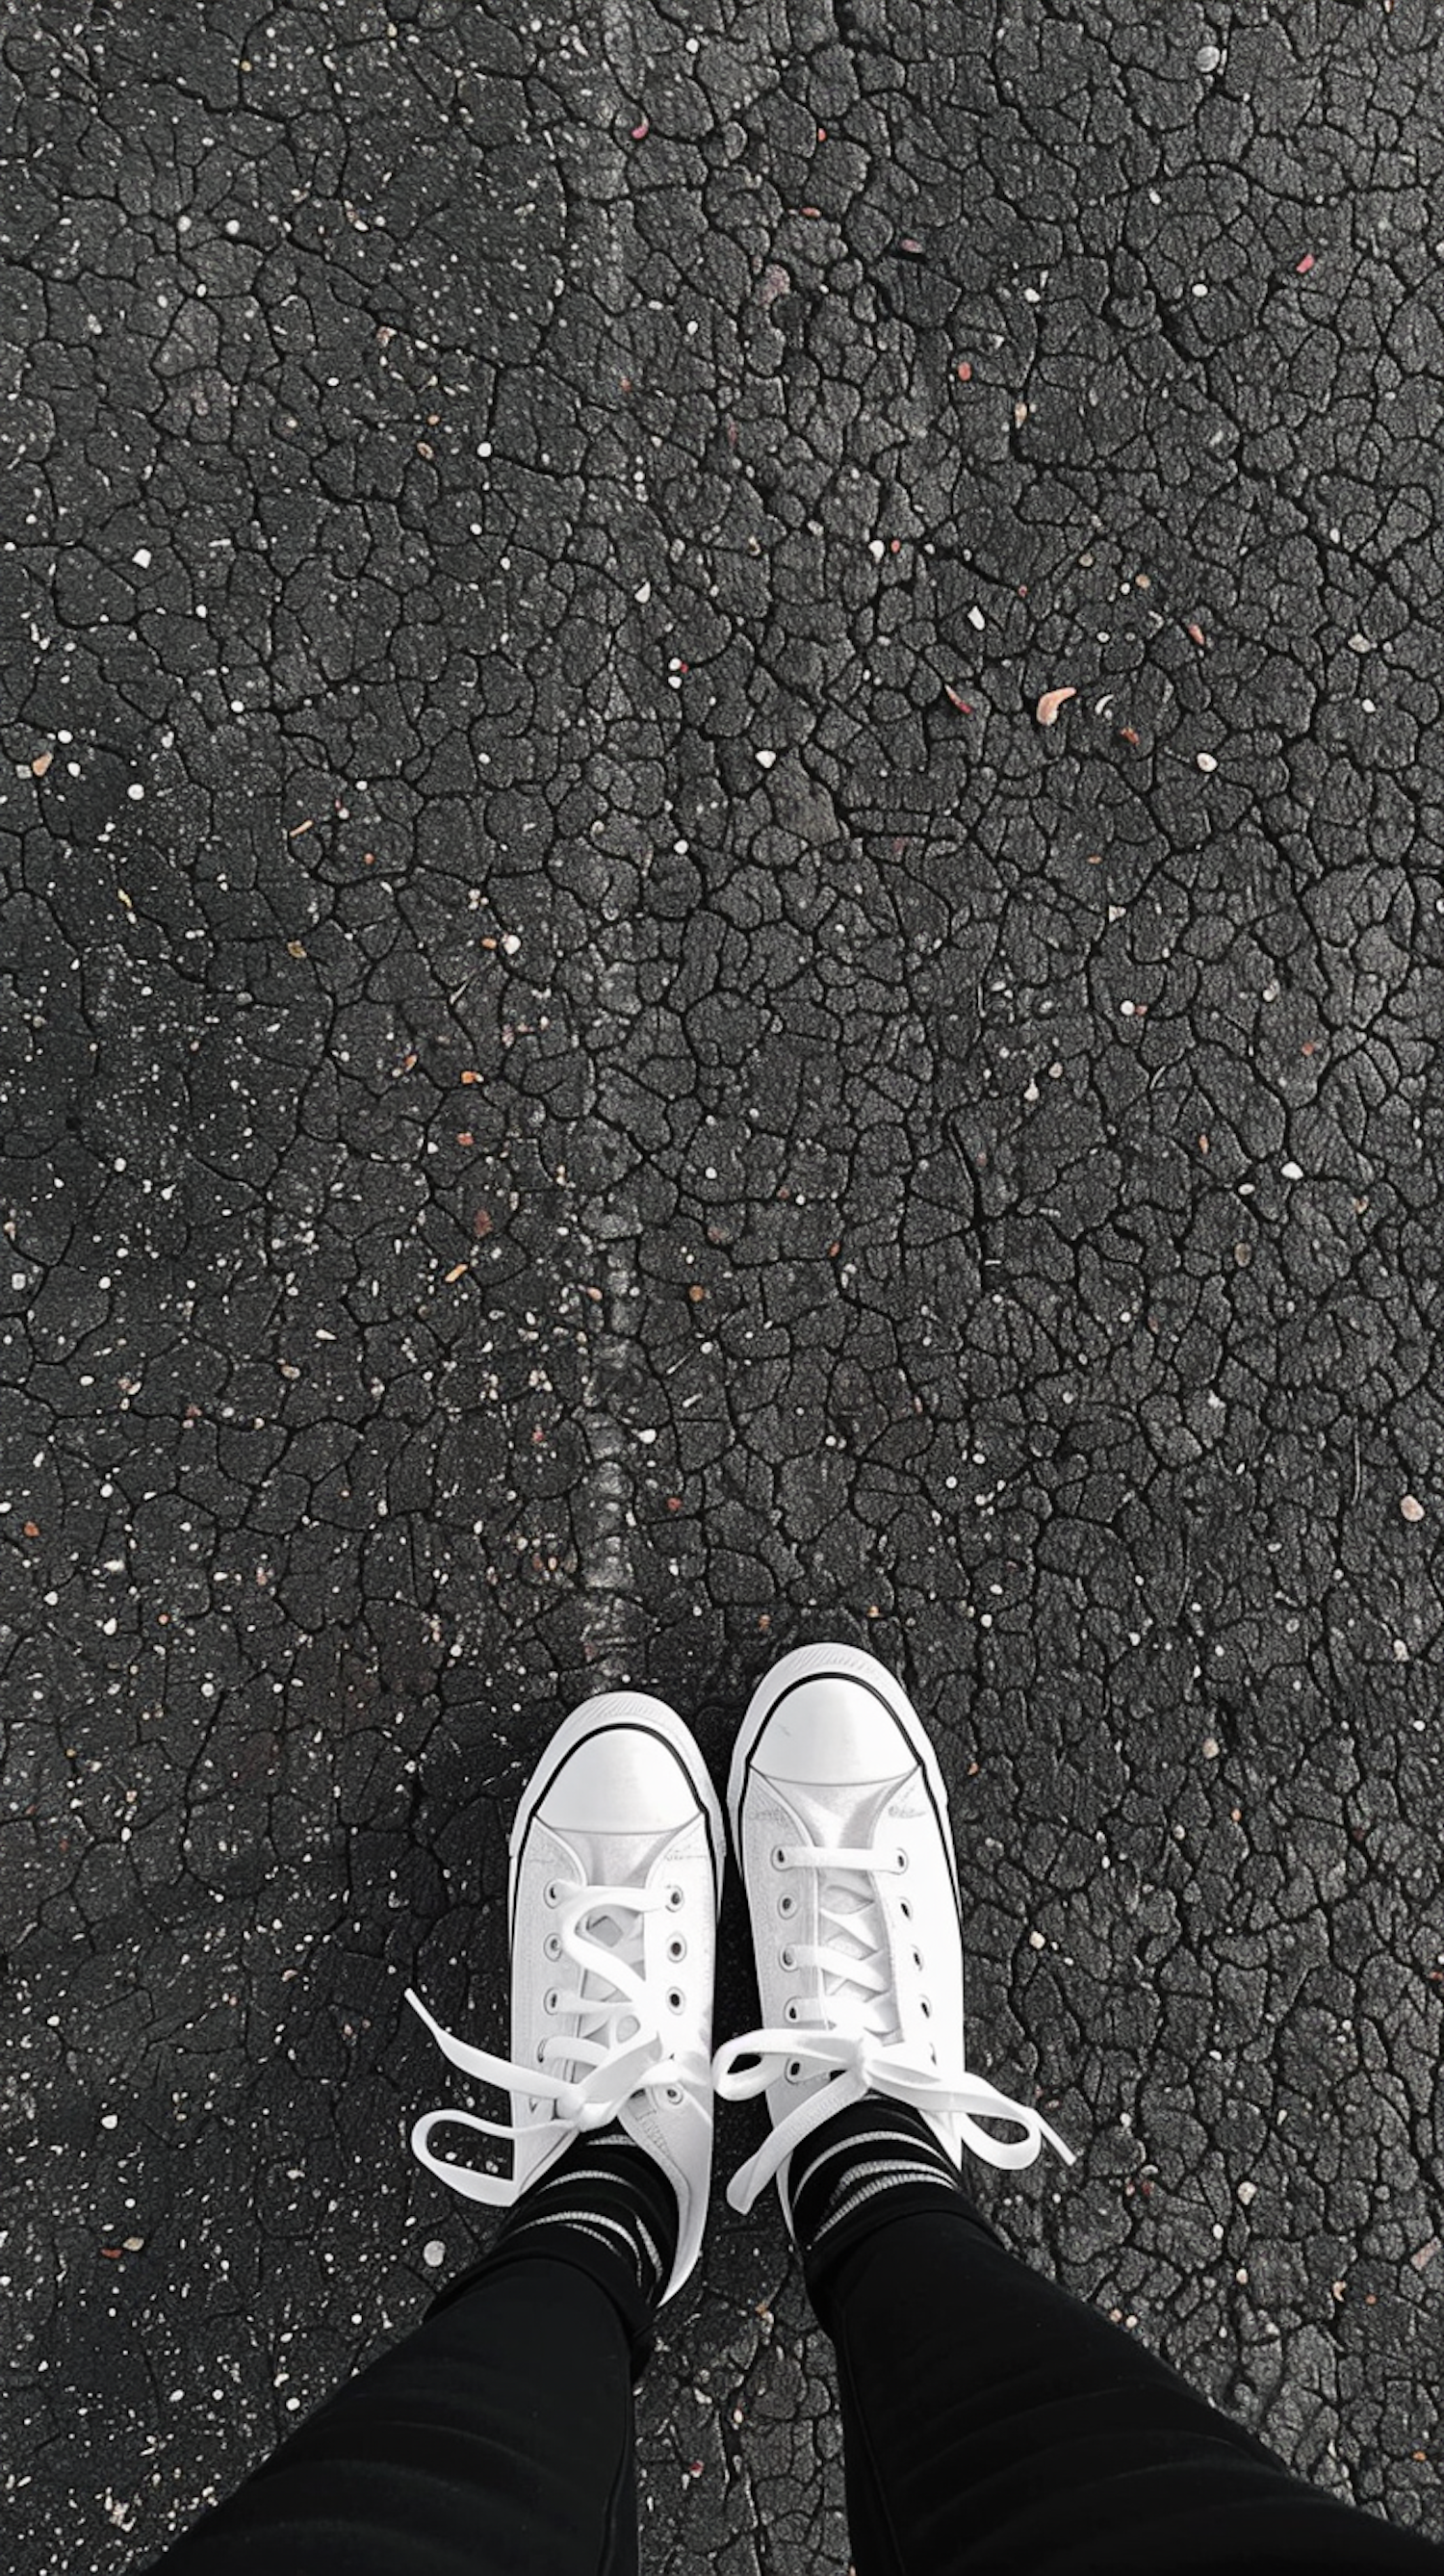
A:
(840, 1822)
(617, 1855)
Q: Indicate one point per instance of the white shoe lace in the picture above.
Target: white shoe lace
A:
(619, 2067)
(868, 2063)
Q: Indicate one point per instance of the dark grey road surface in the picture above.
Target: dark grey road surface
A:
(589, 1093)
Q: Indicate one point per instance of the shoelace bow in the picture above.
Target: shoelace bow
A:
(853, 2045)
(618, 2066)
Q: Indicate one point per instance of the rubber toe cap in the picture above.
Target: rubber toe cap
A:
(827, 1730)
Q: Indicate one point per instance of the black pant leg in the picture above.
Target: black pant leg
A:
(994, 2423)
(498, 2437)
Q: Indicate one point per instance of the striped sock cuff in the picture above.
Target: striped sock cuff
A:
(609, 2188)
(634, 2241)
(874, 2146)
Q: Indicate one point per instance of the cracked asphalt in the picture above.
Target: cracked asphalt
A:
(591, 1094)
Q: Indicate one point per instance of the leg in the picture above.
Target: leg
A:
(994, 2422)
(499, 2436)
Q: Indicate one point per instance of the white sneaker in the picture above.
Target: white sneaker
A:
(617, 1856)
(841, 1831)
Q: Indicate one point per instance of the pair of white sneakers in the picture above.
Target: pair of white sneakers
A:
(841, 1831)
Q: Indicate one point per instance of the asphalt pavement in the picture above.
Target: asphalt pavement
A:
(722, 925)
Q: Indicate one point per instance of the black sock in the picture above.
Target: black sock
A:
(875, 2148)
(612, 2190)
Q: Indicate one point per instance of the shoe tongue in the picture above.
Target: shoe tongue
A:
(844, 1814)
(849, 1817)
(621, 1860)
(611, 1926)
(628, 1857)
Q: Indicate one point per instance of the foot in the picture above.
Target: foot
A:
(841, 1828)
(617, 1855)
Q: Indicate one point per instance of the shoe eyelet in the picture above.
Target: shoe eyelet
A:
(674, 1899)
(794, 2070)
(553, 1945)
(792, 2012)
(787, 1905)
(904, 1909)
(677, 2001)
(677, 1947)
(927, 2008)
(541, 2055)
(917, 1958)
(549, 2002)
(671, 2092)
(779, 1857)
(552, 1894)
(786, 1958)
(902, 1861)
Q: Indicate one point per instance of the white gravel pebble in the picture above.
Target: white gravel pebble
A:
(765, 759)
(433, 2253)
